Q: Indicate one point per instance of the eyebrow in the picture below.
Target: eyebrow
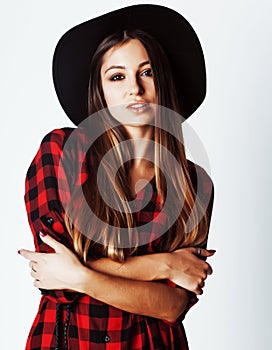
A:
(123, 67)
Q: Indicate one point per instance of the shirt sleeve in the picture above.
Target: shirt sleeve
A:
(42, 200)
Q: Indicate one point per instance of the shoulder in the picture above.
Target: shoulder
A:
(65, 150)
(49, 150)
(201, 181)
(68, 141)
(57, 136)
(72, 138)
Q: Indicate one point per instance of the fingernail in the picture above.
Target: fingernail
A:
(42, 234)
(19, 252)
(212, 251)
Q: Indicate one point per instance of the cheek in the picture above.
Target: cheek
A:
(112, 95)
(152, 91)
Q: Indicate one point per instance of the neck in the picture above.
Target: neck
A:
(142, 143)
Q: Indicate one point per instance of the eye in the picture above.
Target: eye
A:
(147, 72)
(116, 77)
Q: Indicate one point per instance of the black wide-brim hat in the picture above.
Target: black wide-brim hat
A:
(76, 47)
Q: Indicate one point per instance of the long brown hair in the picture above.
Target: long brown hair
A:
(87, 245)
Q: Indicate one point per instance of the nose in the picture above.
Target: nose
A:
(135, 88)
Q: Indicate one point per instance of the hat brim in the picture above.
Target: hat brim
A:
(175, 34)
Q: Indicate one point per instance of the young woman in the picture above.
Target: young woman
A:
(121, 275)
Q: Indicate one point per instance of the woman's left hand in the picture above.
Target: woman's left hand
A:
(59, 270)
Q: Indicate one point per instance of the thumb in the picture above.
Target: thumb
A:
(47, 239)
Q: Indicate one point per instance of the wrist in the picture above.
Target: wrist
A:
(164, 269)
(81, 281)
(169, 266)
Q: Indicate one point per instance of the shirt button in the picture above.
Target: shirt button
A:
(107, 339)
(50, 221)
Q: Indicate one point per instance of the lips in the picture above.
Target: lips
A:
(138, 106)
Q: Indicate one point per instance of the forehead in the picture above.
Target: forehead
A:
(132, 51)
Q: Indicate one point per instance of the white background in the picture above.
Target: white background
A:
(234, 123)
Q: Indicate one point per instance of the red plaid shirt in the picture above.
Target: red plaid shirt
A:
(72, 320)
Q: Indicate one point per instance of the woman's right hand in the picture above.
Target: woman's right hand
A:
(187, 268)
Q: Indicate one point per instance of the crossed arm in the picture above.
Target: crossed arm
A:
(130, 286)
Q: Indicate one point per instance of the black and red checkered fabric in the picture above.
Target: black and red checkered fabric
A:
(91, 324)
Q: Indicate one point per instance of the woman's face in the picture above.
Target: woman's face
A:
(128, 84)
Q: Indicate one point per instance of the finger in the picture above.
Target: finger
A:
(199, 291)
(204, 252)
(210, 251)
(29, 254)
(37, 283)
(202, 284)
(33, 265)
(51, 242)
(209, 270)
(33, 273)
